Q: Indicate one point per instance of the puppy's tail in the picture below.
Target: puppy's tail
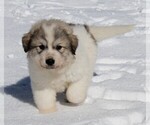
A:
(104, 32)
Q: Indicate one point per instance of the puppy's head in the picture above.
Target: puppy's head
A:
(51, 44)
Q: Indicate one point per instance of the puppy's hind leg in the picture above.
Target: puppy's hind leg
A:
(77, 92)
(45, 99)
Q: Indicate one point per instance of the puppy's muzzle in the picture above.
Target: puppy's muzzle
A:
(50, 62)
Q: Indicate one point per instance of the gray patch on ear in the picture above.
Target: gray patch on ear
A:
(26, 40)
(74, 43)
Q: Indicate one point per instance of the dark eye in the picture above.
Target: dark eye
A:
(58, 47)
(42, 47)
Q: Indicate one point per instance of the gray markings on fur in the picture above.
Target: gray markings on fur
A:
(88, 31)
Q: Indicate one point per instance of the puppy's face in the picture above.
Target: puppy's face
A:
(50, 45)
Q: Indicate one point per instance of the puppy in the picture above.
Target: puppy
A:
(61, 57)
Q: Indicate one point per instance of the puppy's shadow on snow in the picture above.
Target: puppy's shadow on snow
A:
(22, 91)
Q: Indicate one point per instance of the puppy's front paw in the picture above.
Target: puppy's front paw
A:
(49, 110)
(75, 96)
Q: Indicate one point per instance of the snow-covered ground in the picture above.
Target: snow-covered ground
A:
(117, 92)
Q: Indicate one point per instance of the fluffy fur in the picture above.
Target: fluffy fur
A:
(61, 57)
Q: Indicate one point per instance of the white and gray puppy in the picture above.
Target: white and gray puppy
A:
(61, 57)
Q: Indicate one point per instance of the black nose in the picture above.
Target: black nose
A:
(50, 61)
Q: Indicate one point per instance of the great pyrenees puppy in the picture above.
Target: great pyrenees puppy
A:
(61, 57)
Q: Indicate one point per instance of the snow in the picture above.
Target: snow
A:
(11, 56)
(117, 92)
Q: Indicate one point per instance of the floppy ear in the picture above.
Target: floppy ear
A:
(74, 43)
(26, 39)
